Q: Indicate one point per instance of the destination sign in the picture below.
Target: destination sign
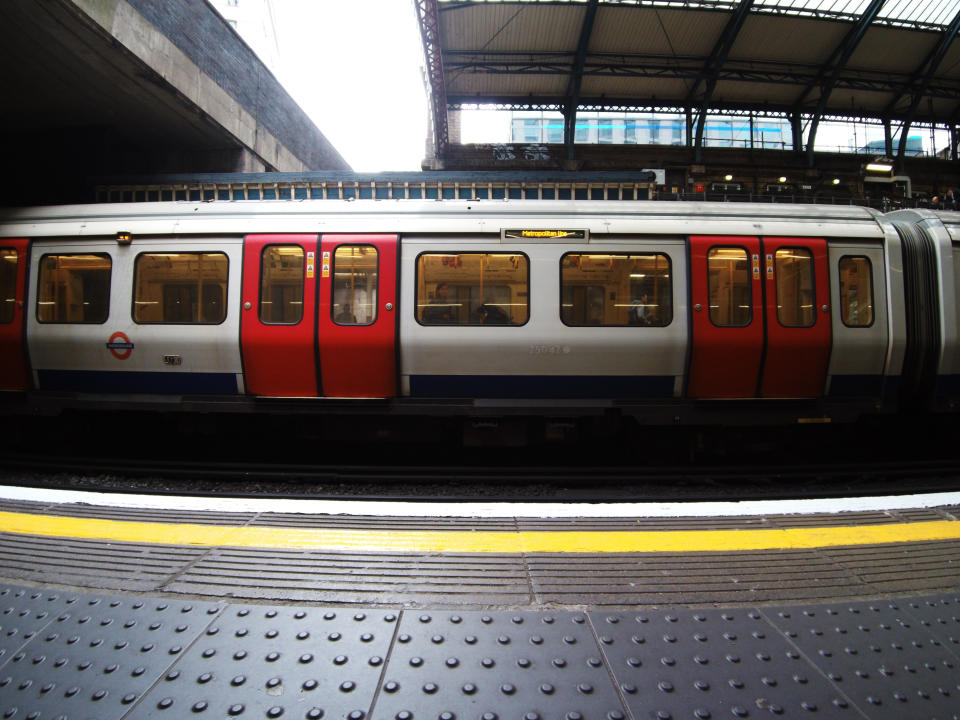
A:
(545, 234)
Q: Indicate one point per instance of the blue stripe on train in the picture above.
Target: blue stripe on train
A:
(861, 386)
(117, 381)
(542, 386)
(948, 386)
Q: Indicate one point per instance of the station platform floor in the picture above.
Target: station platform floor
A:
(115, 606)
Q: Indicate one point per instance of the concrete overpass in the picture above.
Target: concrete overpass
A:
(106, 87)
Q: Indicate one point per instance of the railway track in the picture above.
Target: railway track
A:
(465, 483)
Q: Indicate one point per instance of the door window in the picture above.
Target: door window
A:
(354, 285)
(796, 301)
(281, 285)
(729, 287)
(8, 284)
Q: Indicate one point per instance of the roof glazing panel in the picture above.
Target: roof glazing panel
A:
(929, 14)
(939, 13)
(814, 8)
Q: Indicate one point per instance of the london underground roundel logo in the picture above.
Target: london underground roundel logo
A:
(120, 345)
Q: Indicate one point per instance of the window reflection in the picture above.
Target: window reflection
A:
(281, 284)
(74, 288)
(795, 297)
(8, 284)
(856, 291)
(180, 287)
(729, 288)
(355, 285)
(605, 289)
(472, 289)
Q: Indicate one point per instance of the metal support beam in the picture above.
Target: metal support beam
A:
(429, 20)
(712, 67)
(887, 138)
(796, 124)
(576, 77)
(722, 47)
(647, 66)
(931, 64)
(830, 72)
(924, 72)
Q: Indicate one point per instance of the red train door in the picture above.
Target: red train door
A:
(727, 297)
(13, 284)
(278, 319)
(357, 315)
(761, 322)
(798, 317)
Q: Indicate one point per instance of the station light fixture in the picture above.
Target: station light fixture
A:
(836, 181)
(782, 178)
(728, 177)
(880, 167)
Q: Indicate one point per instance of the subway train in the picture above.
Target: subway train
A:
(481, 311)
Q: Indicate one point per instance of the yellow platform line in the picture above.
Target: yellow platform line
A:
(562, 541)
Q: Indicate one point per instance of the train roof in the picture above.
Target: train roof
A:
(438, 217)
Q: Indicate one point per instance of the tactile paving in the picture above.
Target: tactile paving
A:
(97, 655)
(710, 664)
(940, 615)
(23, 613)
(263, 661)
(68, 655)
(497, 666)
(879, 656)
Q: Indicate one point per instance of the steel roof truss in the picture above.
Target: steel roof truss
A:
(576, 76)
(931, 63)
(429, 22)
(831, 70)
(713, 65)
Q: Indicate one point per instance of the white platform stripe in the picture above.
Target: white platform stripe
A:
(482, 509)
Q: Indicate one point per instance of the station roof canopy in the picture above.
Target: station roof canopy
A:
(885, 59)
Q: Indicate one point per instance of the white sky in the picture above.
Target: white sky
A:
(356, 68)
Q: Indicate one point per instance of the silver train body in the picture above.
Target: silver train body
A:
(882, 291)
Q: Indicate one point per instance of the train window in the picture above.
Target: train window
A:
(180, 288)
(605, 289)
(795, 295)
(856, 291)
(354, 285)
(281, 285)
(473, 288)
(730, 291)
(8, 284)
(74, 288)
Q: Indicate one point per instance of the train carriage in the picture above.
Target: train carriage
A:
(663, 311)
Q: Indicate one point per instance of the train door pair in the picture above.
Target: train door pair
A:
(319, 316)
(761, 317)
(13, 283)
